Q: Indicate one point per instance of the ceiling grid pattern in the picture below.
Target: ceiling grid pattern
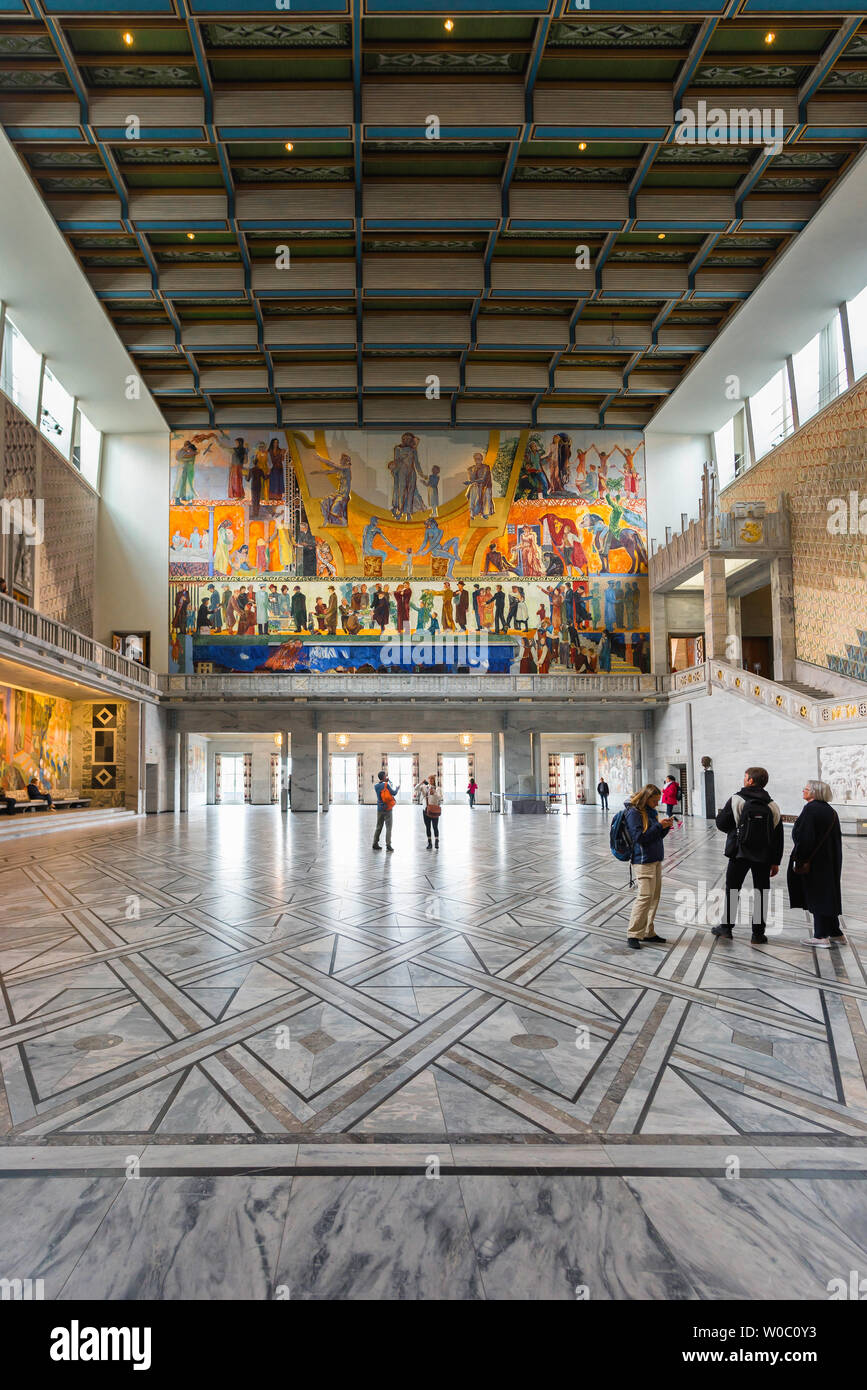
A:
(404, 256)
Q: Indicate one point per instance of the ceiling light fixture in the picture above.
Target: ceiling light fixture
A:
(290, 147)
(128, 39)
(660, 236)
(582, 145)
(770, 36)
(449, 25)
(191, 236)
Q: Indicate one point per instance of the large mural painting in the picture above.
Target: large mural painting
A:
(35, 736)
(372, 550)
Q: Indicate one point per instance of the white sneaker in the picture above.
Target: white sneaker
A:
(817, 941)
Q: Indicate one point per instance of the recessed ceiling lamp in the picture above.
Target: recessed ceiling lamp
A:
(449, 25)
(191, 236)
(770, 36)
(290, 147)
(128, 39)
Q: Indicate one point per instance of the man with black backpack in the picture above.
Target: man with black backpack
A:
(754, 844)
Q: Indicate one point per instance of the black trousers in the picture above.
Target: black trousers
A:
(825, 926)
(603, 800)
(431, 821)
(10, 805)
(735, 874)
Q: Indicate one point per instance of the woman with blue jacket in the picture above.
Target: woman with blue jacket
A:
(647, 833)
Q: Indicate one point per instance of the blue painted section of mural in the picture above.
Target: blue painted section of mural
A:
(408, 655)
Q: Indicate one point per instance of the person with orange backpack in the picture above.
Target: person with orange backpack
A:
(386, 796)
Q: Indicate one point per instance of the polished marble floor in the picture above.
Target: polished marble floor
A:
(244, 1056)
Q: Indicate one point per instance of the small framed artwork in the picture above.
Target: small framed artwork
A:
(135, 646)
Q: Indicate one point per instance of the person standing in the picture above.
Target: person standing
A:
(261, 600)
(499, 610)
(754, 844)
(432, 805)
(670, 794)
(386, 795)
(462, 601)
(472, 788)
(648, 833)
(816, 866)
(602, 792)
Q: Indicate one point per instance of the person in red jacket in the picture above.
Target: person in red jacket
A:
(472, 788)
(670, 793)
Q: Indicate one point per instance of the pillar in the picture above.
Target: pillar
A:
(734, 644)
(638, 777)
(715, 608)
(304, 770)
(183, 747)
(324, 780)
(783, 617)
(658, 635)
(284, 769)
(540, 780)
(496, 780)
(517, 762)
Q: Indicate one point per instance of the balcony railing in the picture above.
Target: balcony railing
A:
(326, 685)
(17, 620)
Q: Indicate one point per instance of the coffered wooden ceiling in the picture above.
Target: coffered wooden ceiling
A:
(409, 257)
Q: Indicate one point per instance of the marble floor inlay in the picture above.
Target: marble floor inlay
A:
(264, 1019)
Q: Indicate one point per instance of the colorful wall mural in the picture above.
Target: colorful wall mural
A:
(315, 550)
(614, 766)
(35, 736)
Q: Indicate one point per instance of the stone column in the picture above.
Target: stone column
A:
(304, 770)
(783, 617)
(284, 769)
(639, 775)
(734, 644)
(324, 781)
(658, 635)
(496, 783)
(540, 781)
(183, 753)
(518, 762)
(715, 613)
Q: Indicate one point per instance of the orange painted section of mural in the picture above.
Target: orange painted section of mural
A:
(538, 539)
(35, 736)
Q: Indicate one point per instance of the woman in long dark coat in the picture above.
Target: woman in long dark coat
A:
(816, 837)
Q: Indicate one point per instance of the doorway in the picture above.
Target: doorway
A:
(344, 779)
(400, 775)
(230, 778)
(456, 775)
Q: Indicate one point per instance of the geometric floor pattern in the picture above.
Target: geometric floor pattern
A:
(255, 1014)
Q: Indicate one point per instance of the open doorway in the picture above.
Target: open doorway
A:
(456, 775)
(344, 779)
(232, 778)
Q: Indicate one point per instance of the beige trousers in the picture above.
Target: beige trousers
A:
(649, 882)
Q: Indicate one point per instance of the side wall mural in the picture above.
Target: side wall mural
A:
(35, 736)
(366, 550)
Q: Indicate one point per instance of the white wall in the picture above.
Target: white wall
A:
(735, 735)
(673, 463)
(132, 552)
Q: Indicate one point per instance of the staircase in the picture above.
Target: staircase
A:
(811, 691)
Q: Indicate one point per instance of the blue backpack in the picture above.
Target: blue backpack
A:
(620, 840)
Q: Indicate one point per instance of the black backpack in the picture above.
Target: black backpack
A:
(755, 832)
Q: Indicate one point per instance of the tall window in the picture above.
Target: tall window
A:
(399, 774)
(857, 311)
(344, 779)
(806, 365)
(86, 448)
(20, 370)
(724, 453)
(771, 411)
(832, 367)
(55, 416)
